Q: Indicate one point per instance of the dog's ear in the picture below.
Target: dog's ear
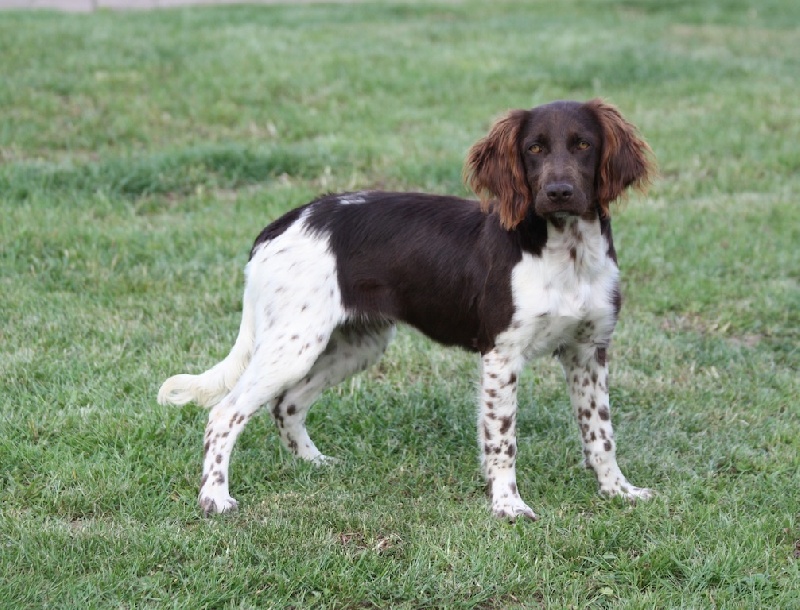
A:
(495, 172)
(626, 159)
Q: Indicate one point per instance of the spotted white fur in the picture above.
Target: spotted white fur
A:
(563, 305)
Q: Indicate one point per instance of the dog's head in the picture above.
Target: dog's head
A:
(564, 159)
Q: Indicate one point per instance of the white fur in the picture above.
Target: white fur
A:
(352, 199)
(553, 294)
(208, 388)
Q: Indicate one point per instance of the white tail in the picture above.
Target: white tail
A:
(208, 388)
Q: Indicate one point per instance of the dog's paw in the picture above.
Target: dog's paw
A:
(324, 460)
(629, 492)
(638, 493)
(511, 508)
(211, 503)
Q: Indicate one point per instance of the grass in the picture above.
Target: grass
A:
(140, 155)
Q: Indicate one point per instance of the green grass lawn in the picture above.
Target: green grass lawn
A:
(141, 153)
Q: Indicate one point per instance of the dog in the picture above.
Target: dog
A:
(526, 271)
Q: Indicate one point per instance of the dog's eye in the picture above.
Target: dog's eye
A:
(535, 149)
(582, 145)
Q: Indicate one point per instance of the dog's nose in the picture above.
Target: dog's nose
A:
(558, 192)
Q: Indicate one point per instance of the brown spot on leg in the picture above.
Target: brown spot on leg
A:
(604, 413)
(277, 415)
(600, 355)
(505, 424)
(607, 445)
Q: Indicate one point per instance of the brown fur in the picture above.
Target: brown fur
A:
(494, 169)
(625, 161)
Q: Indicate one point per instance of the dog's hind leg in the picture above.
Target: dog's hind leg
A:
(293, 291)
(270, 373)
(352, 348)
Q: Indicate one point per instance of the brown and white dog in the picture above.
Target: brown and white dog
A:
(530, 270)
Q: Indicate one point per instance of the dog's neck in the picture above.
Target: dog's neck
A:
(580, 244)
(591, 231)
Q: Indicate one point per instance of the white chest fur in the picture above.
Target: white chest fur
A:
(564, 295)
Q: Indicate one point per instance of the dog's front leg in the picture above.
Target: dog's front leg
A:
(586, 371)
(497, 434)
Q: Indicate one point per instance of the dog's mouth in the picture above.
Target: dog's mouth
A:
(561, 215)
(560, 211)
(560, 218)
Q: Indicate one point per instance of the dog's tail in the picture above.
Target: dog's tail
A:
(208, 388)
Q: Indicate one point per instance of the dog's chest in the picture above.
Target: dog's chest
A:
(563, 296)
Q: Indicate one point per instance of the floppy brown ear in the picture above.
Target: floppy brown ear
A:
(626, 159)
(494, 169)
